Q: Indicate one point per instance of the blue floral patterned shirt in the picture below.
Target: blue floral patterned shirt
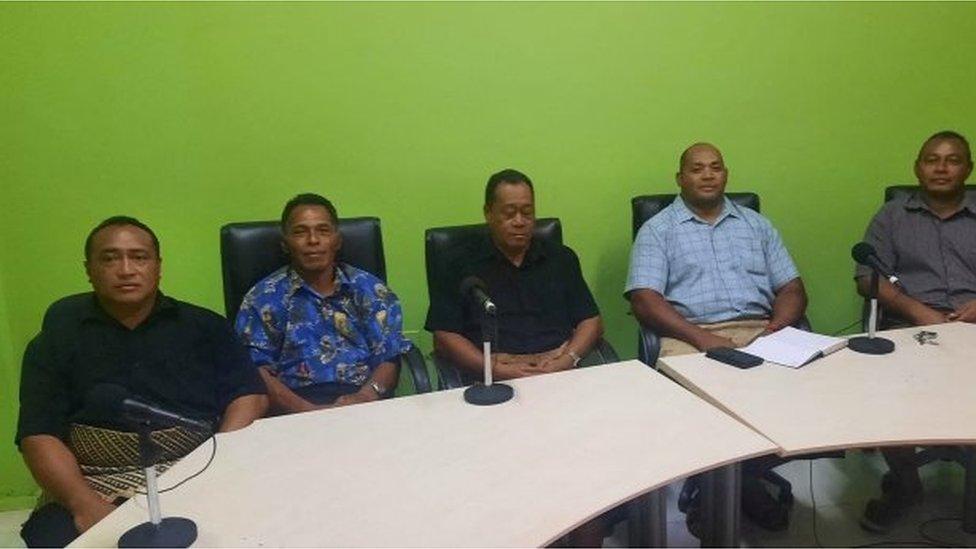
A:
(307, 339)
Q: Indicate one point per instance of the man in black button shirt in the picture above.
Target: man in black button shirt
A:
(547, 318)
(172, 354)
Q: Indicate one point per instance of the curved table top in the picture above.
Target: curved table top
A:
(430, 470)
(919, 394)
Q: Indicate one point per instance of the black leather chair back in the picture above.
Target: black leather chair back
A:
(903, 190)
(647, 206)
(252, 250)
(440, 239)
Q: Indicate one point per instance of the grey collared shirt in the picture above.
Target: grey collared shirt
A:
(935, 259)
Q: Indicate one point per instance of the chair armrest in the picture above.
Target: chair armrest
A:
(648, 347)
(601, 353)
(418, 369)
(448, 375)
(803, 324)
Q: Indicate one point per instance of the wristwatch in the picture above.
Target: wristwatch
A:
(576, 357)
(380, 390)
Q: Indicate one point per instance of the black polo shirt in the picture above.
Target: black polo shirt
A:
(539, 303)
(182, 358)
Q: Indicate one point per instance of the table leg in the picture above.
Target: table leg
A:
(647, 524)
(720, 494)
(969, 490)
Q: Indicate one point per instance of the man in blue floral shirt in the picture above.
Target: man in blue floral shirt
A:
(323, 333)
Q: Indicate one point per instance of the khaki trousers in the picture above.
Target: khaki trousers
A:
(741, 332)
(534, 359)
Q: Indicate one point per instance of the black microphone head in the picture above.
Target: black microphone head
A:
(105, 400)
(470, 283)
(862, 251)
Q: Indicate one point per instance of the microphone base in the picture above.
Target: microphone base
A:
(871, 345)
(170, 532)
(480, 394)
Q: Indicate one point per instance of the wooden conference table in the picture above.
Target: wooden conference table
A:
(917, 395)
(430, 470)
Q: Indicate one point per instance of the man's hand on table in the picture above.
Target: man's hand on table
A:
(366, 394)
(966, 313)
(556, 364)
(710, 341)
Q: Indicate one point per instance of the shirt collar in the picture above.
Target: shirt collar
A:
(916, 202)
(534, 254)
(969, 202)
(296, 282)
(93, 309)
(684, 213)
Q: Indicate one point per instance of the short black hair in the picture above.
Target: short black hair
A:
(945, 135)
(308, 199)
(119, 220)
(508, 175)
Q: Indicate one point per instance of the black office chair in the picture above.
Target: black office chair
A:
(441, 239)
(250, 251)
(890, 193)
(649, 343)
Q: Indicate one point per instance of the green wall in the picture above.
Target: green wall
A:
(193, 115)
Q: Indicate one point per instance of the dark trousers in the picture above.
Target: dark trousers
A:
(49, 526)
(902, 463)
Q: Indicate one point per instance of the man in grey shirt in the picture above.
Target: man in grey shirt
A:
(929, 241)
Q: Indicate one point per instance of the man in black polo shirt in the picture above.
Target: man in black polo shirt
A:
(172, 354)
(547, 318)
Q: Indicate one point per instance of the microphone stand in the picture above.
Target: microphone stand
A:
(872, 345)
(158, 532)
(488, 393)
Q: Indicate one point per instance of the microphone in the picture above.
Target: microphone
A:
(474, 288)
(114, 400)
(864, 253)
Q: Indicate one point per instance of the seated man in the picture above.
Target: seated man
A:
(547, 318)
(322, 333)
(178, 356)
(707, 273)
(928, 240)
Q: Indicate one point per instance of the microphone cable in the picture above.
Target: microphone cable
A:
(845, 328)
(926, 541)
(213, 452)
(936, 541)
(813, 504)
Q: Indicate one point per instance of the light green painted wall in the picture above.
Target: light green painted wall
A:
(193, 115)
(15, 484)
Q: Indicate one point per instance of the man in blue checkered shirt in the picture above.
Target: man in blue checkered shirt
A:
(705, 273)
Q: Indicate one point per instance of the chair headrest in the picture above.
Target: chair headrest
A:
(647, 206)
(250, 251)
(441, 239)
